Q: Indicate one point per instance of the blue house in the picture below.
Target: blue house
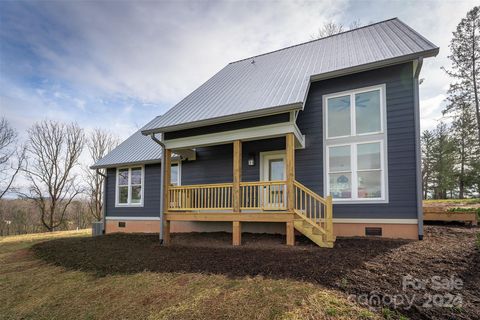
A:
(320, 138)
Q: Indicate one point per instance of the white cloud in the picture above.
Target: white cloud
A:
(159, 52)
(431, 111)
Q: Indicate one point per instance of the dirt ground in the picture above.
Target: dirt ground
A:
(365, 268)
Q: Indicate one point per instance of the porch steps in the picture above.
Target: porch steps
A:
(312, 233)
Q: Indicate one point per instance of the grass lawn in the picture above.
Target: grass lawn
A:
(32, 288)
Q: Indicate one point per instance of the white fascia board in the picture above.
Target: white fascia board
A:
(246, 134)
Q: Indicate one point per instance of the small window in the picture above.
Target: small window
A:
(175, 174)
(122, 224)
(130, 186)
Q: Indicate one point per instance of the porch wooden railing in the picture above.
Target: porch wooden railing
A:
(314, 209)
(201, 197)
(258, 195)
(263, 195)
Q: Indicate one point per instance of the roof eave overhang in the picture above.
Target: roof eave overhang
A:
(229, 118)
(124, 164)
(374, 65)
(175, 157)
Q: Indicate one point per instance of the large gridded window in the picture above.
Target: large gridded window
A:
(355, 145)
(130, 186)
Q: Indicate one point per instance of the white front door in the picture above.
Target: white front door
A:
(273, 169)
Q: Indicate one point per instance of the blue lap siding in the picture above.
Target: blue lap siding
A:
(151, 195)
(401, 141)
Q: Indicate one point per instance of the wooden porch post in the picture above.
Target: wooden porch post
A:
(237, 233)
(329, 219)
(290, 233)
(290, 170)
(237, 177)
(166, 200)
(237, 174)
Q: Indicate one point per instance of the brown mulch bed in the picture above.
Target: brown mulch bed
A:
(364, 267)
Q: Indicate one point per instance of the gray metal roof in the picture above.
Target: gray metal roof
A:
(279, 80)
(136, 149)
(274, 82)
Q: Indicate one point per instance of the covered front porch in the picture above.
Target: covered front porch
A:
(276, 197)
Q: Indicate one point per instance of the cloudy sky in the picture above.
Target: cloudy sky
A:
(117, 64)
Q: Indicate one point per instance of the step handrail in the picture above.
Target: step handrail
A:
(310, 192)
(319, 216)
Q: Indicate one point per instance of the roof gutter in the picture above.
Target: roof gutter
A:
(418, 150)
(162, 180)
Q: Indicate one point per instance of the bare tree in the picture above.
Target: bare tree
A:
(11, 156)
(99, 143)
(355, 24)
(53, 150)
(330, 28)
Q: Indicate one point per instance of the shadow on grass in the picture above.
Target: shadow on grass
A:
(261, 255)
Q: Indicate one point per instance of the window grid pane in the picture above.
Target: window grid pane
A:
(340, 185)
(136, 194)
(369, 156)
(136, 176)
(339, 115)
(369, 184)
(123, 194)
(123, 177)
(367, 112)
(340, 159)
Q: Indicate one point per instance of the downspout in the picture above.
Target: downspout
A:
(418, 150)
(104, 200)
(162, 178)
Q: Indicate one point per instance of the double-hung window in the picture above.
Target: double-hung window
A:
(355, 145)
(129, 190)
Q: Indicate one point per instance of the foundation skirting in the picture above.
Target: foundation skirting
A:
(388, 230)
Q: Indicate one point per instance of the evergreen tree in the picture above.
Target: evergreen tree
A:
(464, 138)
(428, 141)
(443, 177)
(465, 58)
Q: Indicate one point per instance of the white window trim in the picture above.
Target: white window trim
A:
(129, 204)
(353, 140)
(179, 180)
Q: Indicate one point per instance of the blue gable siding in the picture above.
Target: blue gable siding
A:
(401, 141)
